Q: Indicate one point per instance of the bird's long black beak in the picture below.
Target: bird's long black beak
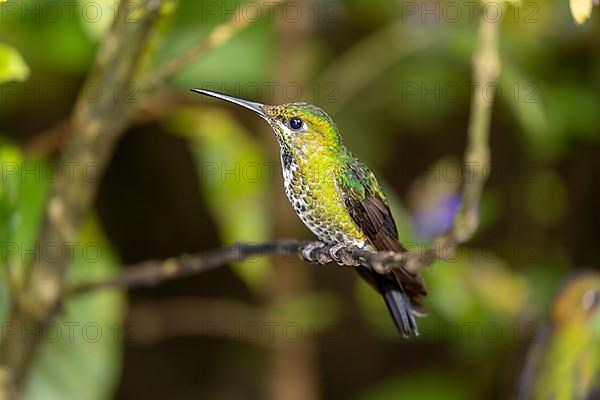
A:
(250, 105)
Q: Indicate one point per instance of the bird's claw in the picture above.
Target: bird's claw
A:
(339, 253)
(333, 252)
(342, 257)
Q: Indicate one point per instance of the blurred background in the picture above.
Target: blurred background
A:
(189, 174)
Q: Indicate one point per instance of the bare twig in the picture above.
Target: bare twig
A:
(486, 68)
(150, 273)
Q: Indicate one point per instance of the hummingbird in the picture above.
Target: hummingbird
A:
(564, 361)
(338, 198)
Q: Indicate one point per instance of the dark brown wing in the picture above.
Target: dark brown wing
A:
(377, 223)
(366, 203)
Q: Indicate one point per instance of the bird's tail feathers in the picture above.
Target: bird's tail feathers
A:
(398, 304)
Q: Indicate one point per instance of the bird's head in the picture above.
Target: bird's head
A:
(301, 128)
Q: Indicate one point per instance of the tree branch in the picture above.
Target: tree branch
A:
(153, 272)
(95, 128)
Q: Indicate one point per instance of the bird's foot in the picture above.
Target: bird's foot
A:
(341, 253)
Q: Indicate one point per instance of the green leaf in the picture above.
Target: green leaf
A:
(524, 98)
(10, 159)
(581, 10)
(12, 65)
(32, 190)
(5, 301)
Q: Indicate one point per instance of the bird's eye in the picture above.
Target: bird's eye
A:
(296, 123)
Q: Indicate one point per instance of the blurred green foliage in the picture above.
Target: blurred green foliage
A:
(82, 353)
(234, 180)
(420, 386)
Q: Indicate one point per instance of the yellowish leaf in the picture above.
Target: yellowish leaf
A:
(12, 65)
(581, 10)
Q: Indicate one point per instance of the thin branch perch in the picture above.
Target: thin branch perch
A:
(150, 273)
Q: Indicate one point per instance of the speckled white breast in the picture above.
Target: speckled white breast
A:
(329, 225)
